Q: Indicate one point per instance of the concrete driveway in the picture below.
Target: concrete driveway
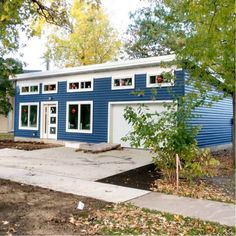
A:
(63, 169)
(66, 162)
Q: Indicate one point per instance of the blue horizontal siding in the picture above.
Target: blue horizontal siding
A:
(215, 121)
(101, 96)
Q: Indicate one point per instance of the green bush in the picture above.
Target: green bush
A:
(168, 133)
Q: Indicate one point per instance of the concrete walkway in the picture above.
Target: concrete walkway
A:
(66, 171)
(222, 213)
(101, 191)
(203, 209)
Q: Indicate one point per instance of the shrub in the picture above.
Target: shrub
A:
(168, 133)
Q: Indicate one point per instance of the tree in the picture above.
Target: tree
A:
(92, 39)
(167, 134)
(202, 35)
(8, 67)
(18, 15)
(149, 34)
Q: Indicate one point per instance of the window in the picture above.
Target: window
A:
(80, 86)
(85, 117)
(50, 88)
(123, 83)
(73, 117)
(160, 80)
(29, 89)
(28, 116)
(79, 117)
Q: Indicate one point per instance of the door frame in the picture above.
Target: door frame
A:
(110, 104)
(42, 113)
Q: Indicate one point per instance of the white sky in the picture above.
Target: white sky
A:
(118, 12)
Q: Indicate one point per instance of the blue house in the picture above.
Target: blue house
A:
(86, 104)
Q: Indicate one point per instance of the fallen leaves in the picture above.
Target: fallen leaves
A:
(127, 219)
(4, 222)
(218, 187)
(226, 162)
(198, 189)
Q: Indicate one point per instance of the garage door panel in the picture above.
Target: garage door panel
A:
(119, 127)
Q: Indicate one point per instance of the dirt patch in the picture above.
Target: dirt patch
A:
(141, 178)
(28, 146)
(220, 187)
(32, 210)
(28, 210)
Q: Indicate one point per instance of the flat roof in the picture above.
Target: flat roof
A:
(108, 66)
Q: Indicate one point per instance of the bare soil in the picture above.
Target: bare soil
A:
(144, 177)
(28, 210)
(28, 146)
(141, 178)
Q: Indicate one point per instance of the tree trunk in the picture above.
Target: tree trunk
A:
(234, 130)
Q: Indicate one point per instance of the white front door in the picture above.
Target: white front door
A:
(49, 121)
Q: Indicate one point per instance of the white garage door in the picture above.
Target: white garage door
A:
(119, 127)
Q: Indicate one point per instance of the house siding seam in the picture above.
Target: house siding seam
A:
(215, 121)
(101, 96)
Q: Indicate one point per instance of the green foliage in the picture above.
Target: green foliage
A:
(8, 67)
(168, 133)
(147, 34)
(200, 33)
(138, 92)
(92, 39)
(17, 15)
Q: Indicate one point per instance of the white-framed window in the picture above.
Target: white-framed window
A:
(80, 85)
(49, 87)
(29, 89)
(126, 82)
(79, 116)
(158, 80)
(28, 116)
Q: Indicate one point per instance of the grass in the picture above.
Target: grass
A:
(127, 219)
(6, 136)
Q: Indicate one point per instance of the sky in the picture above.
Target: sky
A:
(118, 12)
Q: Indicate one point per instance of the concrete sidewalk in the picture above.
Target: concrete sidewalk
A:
(222, 213)
(101, 191)
(203, 209)
(62, 169)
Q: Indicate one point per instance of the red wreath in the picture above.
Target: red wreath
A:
(159, 79)
(73, 110)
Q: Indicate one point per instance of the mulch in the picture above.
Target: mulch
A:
(27, 146)
(146, 178)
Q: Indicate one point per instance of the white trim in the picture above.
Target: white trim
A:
(109, 66)
(41, 116)
(156, 85)
(91, 117)
(29, 85)
(20, 109)
(123, 87)
(98, 75)
(51, 91)
(129, 102)
(79, 81)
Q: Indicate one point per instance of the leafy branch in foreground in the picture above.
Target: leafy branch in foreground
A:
(8, 67)
(168, 133)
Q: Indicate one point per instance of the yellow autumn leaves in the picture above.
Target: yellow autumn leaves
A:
(91, 39)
